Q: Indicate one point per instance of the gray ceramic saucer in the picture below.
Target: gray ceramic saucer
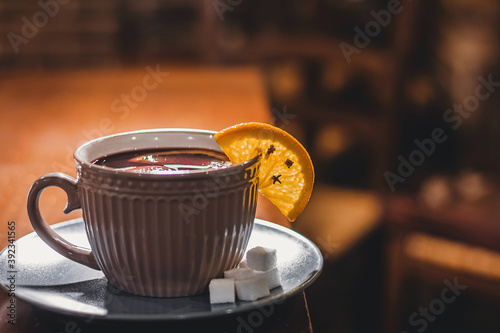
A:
(50, 281)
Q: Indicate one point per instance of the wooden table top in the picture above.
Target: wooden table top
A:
(44, 117)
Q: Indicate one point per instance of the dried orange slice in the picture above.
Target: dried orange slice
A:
(286, 174)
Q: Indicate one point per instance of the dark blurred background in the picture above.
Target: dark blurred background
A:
(396, 101)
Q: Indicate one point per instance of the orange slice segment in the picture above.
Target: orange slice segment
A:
(286, 174)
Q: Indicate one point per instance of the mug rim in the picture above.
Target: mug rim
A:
(83, 163)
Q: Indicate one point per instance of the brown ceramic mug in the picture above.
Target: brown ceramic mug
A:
(155, 234)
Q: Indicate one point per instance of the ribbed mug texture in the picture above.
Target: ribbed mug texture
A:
(154, 234)
(167, 237)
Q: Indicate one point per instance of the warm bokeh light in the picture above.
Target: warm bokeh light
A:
(396, 102)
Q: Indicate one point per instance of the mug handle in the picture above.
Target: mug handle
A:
(73, 252)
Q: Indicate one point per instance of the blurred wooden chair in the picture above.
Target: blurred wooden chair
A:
(428, 245)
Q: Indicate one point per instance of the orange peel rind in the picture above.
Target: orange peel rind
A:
(286, 174)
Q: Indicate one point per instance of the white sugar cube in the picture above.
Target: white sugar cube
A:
(262, 258)
(243, 264)
(239, 273)
(272, 277)
(252, 288)
(221, 291)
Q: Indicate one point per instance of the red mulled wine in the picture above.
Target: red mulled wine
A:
(165, 161)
